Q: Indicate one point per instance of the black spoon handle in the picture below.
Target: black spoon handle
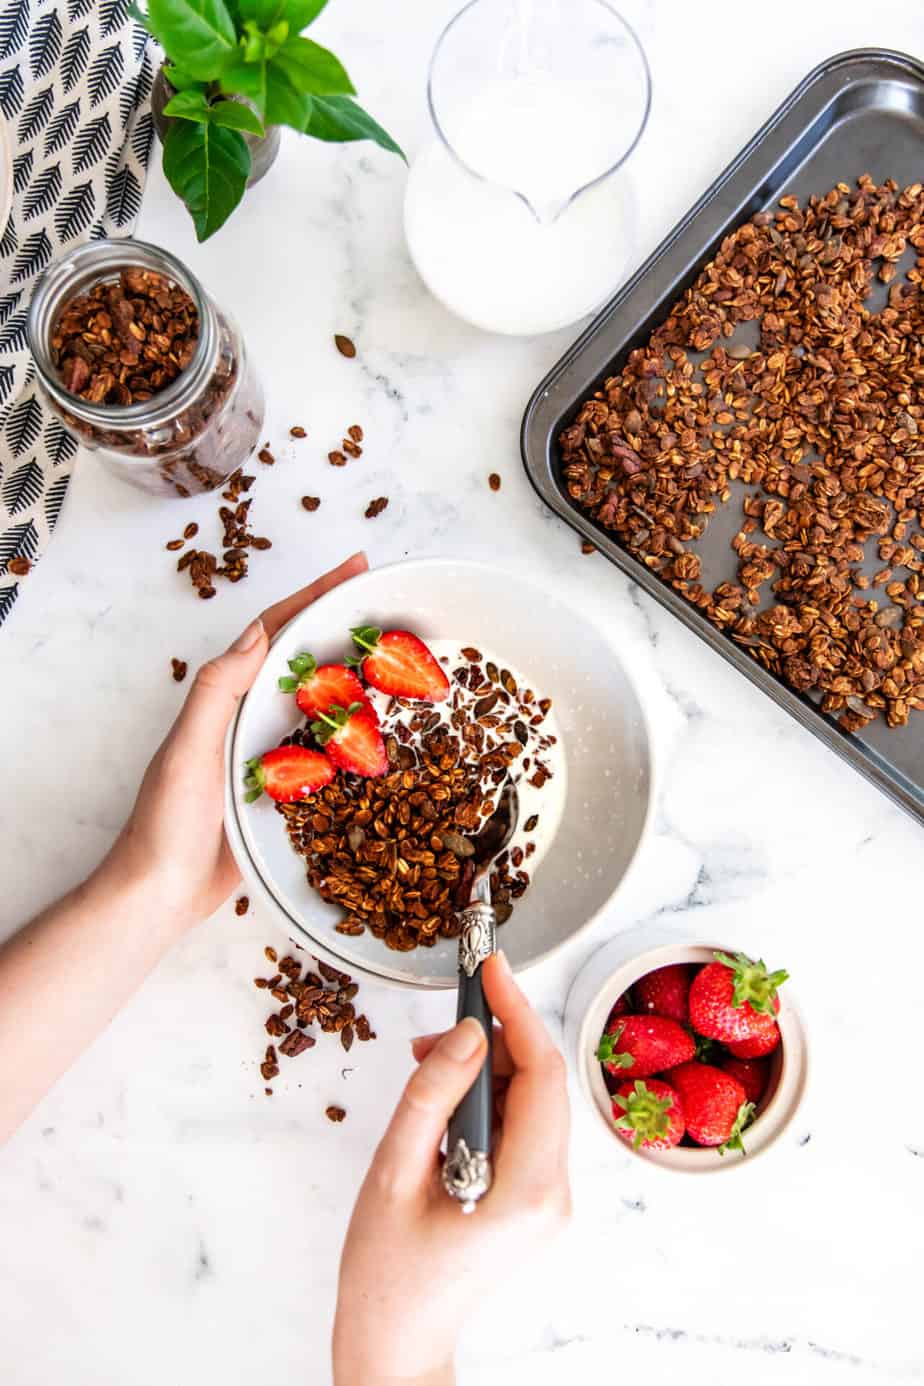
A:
(467, 1170)
(471, 1121)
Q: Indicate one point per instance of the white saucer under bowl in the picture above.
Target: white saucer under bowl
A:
(601, 721)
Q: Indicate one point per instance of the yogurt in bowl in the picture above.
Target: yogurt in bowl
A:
(593, 808)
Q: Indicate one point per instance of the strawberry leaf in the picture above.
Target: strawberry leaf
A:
(742, 1121)
(607, 1053)
(752, 984)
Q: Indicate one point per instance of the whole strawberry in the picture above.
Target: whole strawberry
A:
(665, 992)
(734, 999)
(650, 1115)
(758, 1045)
(623, 1006)
(715, 1105)
(752, 1074)
(636, 1046)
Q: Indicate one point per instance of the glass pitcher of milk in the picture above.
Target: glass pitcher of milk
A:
(515, 215)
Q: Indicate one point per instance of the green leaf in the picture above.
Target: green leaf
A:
(247, 79)
(288, 685)
(742, 1121)
(180, 80)
(232, 115)
(298, 14)
(608, 1054)
(188, 105)
(311, 68)
(197, 35)
(208, 168)
(338, 119)
(270, 90)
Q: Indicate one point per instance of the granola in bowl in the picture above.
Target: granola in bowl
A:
(395, 851)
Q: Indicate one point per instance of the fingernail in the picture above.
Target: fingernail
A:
(423, 1039)
(464, 1041)
(248, 638)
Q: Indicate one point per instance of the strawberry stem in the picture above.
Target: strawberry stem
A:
(254, 780)
(743, 1119)
(303, 667)
(607, 1053)
(333, 720)
(366, 637)
(752, 983)
(644, 1113)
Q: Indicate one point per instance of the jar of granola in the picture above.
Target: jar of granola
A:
(143, 368)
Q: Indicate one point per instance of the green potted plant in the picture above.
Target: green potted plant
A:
(235, 70)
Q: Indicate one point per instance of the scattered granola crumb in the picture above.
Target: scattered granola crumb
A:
(355, 433)
(344, 345)
(296, 431)
(179, 667)
(266, 457)
(351, 448)
(311, 502)
(375, 507)
(242, 904)
(335, 1113)
(191, 530)
(336, 459)
(19, 567)
(173, 544)
(494, 481)
(268, 1091)
(270, 954)
(587, 547)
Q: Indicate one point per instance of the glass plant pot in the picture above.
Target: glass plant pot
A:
(187, 437)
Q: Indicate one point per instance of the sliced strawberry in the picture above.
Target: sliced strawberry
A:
(287, 774)
(734, 999)
(756, 1046)
(399, 663)
(650, 1115)
(665, 992)
(352, 739)
(318, 686)
(636, 1046)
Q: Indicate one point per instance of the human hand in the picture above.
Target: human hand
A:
(413, 1265)
(174, 842)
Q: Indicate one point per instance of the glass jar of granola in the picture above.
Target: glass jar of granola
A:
(143, 368)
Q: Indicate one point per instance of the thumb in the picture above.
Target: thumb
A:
(407, 1155)
(219, 684)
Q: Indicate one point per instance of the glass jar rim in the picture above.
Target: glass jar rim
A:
(643, 120)
(91, 263)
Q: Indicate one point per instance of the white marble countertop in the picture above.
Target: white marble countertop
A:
(162, 1221)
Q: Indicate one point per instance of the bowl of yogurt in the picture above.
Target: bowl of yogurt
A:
(525, 670)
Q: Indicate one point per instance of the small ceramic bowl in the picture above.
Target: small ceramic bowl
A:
(608, 790)
(594, 993)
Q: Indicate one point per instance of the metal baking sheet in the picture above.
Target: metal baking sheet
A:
(859, 112)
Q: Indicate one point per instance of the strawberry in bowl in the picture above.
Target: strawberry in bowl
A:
(693, 1056)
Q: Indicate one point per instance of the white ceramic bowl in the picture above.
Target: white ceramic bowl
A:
(594, 993)
(601, 722)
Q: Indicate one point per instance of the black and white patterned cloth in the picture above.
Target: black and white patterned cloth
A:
(75, 78)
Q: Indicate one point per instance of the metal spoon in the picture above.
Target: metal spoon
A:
(467, 1170)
